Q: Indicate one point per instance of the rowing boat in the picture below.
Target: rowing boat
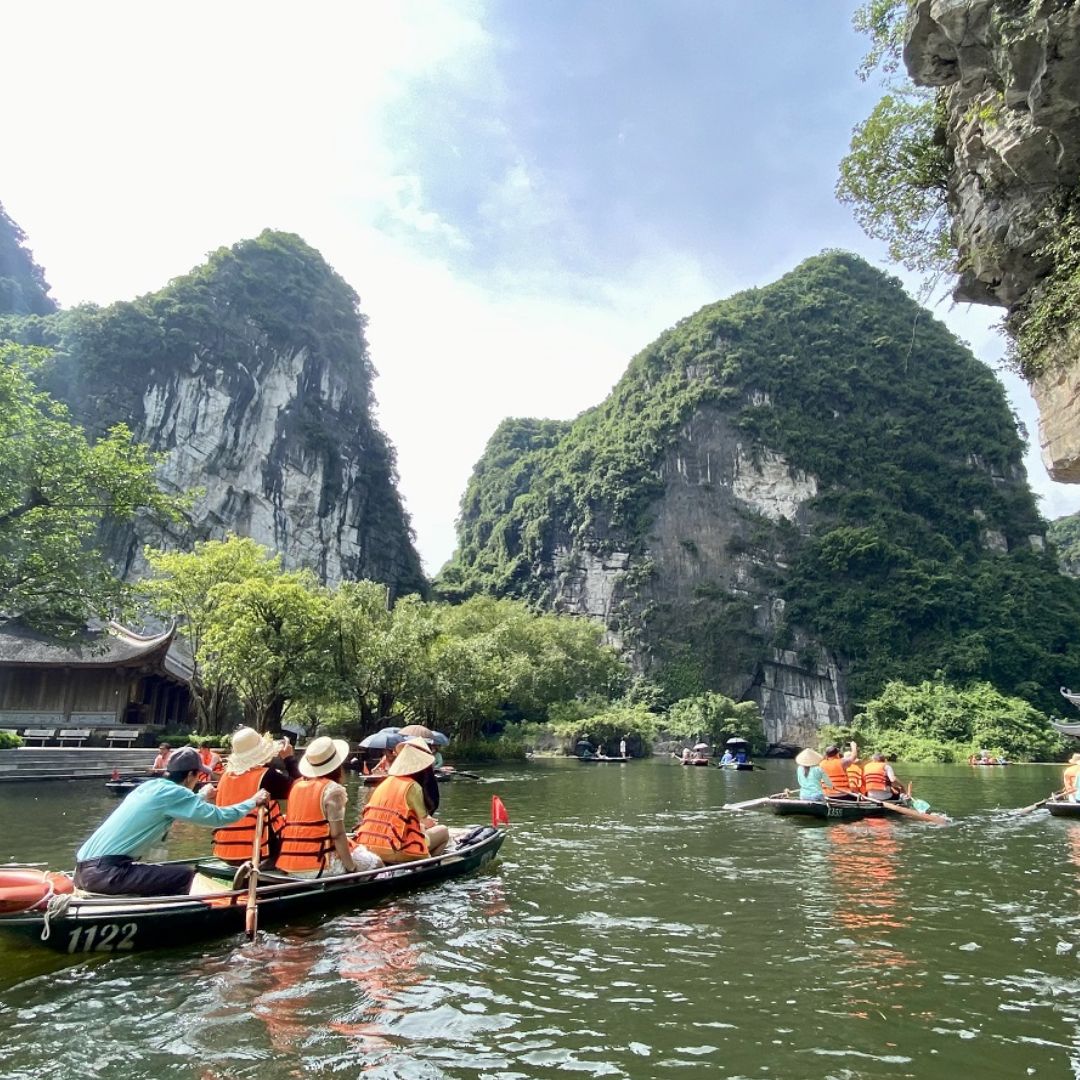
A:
(602, 760)
(739, 766)
(829, 809)
(1063, 808)
(75, 924)
(371, 779)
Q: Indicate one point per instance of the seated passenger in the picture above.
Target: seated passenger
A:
(162, 759)
(313, 842)
(108, 862)
(727, 758)
(833, 767)
(248, 769)
(1069, 778)
(880, 780)
(395, 824)
(811, 777)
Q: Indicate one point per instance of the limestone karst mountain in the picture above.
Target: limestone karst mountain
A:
(251, 376)
(791, 496)
(1007, 76)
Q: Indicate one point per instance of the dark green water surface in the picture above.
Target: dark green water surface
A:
(630, 929)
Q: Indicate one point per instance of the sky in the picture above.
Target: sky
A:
(524, 193)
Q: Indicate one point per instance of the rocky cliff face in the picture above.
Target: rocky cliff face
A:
(787, 498)
(1010, 70)
(250, 376)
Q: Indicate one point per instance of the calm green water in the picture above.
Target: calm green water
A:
(631, 929)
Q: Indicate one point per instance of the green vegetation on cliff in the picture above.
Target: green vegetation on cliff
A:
(23, 288)
(921, 550)
(1064, 534)
(247, 307)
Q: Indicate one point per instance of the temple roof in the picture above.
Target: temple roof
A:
(101, 646)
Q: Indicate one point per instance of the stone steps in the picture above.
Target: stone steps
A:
(71, 763)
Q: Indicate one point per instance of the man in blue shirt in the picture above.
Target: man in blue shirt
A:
(108, 862)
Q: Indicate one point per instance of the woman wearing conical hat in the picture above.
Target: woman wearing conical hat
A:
(395, 824)
(811, 777)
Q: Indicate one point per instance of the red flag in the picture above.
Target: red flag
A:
(499, 816)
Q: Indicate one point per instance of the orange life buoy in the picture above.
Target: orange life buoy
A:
(22, 890)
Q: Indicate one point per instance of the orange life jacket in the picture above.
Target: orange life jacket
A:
(834, 769)
(855, 778)
(210, 759)
(389, 824)
(233, 842)
(305, 840)
(876, 776)
(1069, 777)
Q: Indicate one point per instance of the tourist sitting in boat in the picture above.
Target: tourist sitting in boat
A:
(249, 768)
(395, 824)
(162, 760)
(879, 780)
(108, 862)
(854, 768)
(1069, 778)
(314, 841)
(687, 754)
(833, 766)
(812, 779)
(211, 760)
(727, 758)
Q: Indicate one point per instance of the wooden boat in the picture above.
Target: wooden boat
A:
(602, 760)
(1063, 808)
(73, 924)
(829, 810)
(737, 766)
(371, 779)
(125, 784)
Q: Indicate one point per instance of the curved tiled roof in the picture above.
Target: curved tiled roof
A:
(107, 646)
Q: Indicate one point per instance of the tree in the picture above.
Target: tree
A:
(935, 721)
(185, 587)
(56, 490)
(896, 179)
(379, 651)
(23, 288)
(270, 639)
(716, 718)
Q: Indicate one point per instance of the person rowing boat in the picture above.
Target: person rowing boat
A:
(109, 861)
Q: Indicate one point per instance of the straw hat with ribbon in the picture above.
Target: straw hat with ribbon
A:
(412, 757)
(323, 756)
(808, 757)
(250, 749)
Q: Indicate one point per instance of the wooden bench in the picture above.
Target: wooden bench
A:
(42, 735)
(77, 735)
(122, 735)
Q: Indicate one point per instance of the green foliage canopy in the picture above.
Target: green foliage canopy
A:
(715, 718)
(56, 490)
(936, 721)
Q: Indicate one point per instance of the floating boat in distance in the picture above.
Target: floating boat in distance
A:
(694, 761)
(442, 775)
(594, 760)
(737, 766)
(123, 785)
(35, 909)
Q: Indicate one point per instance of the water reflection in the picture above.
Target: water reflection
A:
(631, 930)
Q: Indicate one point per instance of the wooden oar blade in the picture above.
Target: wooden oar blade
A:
(752, 802)
(918, 815)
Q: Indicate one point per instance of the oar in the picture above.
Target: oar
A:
(753, 802)
(252, 920)
(470, 775)
(918, 815)
(1036, 805)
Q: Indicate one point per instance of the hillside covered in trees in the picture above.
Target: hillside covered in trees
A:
(250, 375)
(803, 491)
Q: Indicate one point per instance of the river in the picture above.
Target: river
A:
(631, 928)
